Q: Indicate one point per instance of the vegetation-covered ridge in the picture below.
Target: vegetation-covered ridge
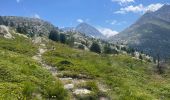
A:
(21, 77)
(38, 68)
(149, 34)
(124, 77)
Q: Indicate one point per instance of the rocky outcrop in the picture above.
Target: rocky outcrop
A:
(28, 26)
(4, 32)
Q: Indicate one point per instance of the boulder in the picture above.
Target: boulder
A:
(4, 32)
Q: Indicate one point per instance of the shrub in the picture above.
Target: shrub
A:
(21, 29)
(107, 49)
(140, 57)
(28, 90)
(92, 86)
(54, 35)
(70, 41)
(95, 48)
(81, 47)
(62, 38)
(56, 91)
(64, 64)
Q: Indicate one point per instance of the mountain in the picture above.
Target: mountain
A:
(47, 70)
(85, 29)
(41, 69)
(33, 27)
(88, 30)
(164, 13)
(149, 34)
(29, 26)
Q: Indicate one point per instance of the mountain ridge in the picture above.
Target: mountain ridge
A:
(29, 26)
(148, 32)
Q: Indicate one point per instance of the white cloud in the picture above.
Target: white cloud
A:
(122, 2)
(115, 22)
(107, 32)
(131, 8)
(36, 16)
(121, 23)
(139, 8)
(153, 7)
(120, 12)
(112, 22)
(18, 1)
(80, 20)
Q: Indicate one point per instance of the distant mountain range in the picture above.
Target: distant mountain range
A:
(150, 34)
(35, 26)
(86, 29)
(84, 34)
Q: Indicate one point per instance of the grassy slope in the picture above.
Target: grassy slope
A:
(20, 76)
(128, 78)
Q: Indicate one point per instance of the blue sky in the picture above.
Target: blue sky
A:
(109, 16)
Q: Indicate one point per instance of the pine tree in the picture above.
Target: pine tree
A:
(54, 35)
(140, 57)
(95, 47)
(62, 38)
(107, 49)
(70, 41)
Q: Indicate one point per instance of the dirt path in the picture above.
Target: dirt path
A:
(69, 83)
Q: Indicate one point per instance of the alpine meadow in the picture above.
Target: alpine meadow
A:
(85, 50)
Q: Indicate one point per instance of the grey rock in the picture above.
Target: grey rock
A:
(4, 31)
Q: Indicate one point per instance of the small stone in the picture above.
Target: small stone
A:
(65, 79)
(81, 91)
(69, 86)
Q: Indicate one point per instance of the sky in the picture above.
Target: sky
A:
(108, 16)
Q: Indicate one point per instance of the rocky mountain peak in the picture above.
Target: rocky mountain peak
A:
(88, 30)
(163, 13)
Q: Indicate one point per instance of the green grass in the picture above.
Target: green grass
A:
(128, 78)
(19, 45)
(21, 77)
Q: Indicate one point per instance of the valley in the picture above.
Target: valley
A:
(58, 71)
(72, 50)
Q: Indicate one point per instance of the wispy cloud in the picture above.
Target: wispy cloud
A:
(131, 8)
(80, 20)
(18, 1)
(115, 22)
(107, 32)
(123, 2)
(36, 16)
(153, 7)
(112, 22)
(122, 23)
(139, 8)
